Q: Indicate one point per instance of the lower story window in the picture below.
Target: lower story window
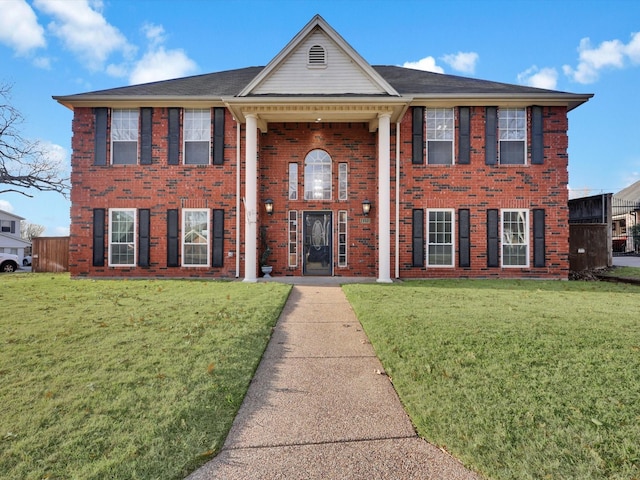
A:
(342, 238)
(293, 238)
(515, 238)
(122, 237)
(440, 238)
(195, 237)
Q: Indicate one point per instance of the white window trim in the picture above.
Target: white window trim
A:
(135, 236)
(343, 177)
(112, 129)
(527, 233)
(184, 232)
(346, 239)
(293, 181)
(525, 139)
(185, 141)
(453, 238)
(295, 241)
(453, 137)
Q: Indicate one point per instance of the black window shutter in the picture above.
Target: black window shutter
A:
(417, 156)
(174, 136)
(492, 238)
(218, 238)
(218, 135)
(464, 136)
(144, 224)
(537, 137)
(418, 237)
(538, 238)
(146, 115)
(13, 226)
(464, 238)
(100, 152)
(173, 244)
(490, 142)
(98, 237)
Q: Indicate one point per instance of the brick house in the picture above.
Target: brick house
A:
(376, 171)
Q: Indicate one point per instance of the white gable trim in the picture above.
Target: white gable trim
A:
(297, 42)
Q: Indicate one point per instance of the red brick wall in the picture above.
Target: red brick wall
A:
(477, 186)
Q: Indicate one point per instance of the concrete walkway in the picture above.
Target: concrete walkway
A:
(321, 407)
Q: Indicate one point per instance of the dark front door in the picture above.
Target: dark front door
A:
(317, 243)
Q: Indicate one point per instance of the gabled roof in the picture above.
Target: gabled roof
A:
(4, 213)
(385, 87)
(630, 193)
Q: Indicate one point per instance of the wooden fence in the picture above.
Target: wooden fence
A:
(50, 254)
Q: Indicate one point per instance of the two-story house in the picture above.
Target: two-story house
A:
(340, 167)
(10, 236)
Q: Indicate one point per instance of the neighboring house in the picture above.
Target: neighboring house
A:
(463, 177)
(10, 238)
(626, 209)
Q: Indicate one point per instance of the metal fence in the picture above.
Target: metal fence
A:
(625, 226)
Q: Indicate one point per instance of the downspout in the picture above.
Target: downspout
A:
(238, 195)
(397, 246)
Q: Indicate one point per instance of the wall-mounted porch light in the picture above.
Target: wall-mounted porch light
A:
(366, 207)
(268, 206)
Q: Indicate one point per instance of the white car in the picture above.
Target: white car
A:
(8, 262)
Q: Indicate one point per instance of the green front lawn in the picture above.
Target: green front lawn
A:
(518, 379)
(124, 379)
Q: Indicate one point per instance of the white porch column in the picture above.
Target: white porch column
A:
(384, 199)
(250, 201)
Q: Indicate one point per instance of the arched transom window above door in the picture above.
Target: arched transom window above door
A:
(317, 175)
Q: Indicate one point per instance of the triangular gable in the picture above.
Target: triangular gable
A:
(343, 72)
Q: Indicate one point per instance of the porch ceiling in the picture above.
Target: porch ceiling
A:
(316, 112)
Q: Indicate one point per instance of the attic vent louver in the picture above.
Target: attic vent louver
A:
(317, 56)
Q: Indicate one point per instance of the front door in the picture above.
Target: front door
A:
(318, 236)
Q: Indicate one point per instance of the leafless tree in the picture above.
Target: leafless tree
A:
(24, 164)
(29, 231)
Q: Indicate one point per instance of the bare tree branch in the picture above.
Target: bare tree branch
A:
(24, 164)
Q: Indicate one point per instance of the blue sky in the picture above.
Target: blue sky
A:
(61, 47)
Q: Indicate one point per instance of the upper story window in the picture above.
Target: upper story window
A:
(317, 56)
(317, 175)
(440, 133)
(7, 226)
(124, 136)
(197, 136)
(512, 131)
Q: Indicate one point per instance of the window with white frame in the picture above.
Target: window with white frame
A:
(512, 131)
(7, 226)
(440, 125)
(342, 181)
(197, 136)
(195, 237)
(122, 237)
(342, 238)
(124, 136)
(293, 181)
(515, 238)
(317, 175)
(440, 235)
(293, 238)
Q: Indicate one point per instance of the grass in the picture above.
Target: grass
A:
(124, 379)
(518, 379)
(624, 272)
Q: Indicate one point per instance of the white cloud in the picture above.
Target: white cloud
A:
(158, 63)
(85, 31)
(610, 54)
(19, 27)
(464, 62)
(6, 206)
(42, 62)
(58, 232)
(427, 63)
(539, 77)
